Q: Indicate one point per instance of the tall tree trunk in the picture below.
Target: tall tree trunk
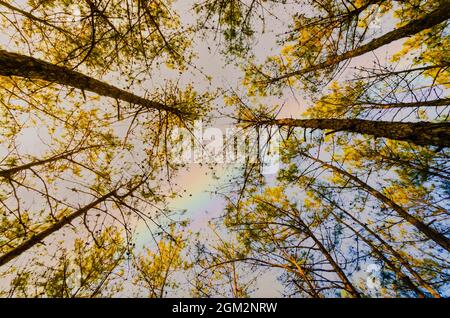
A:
(420, 133)
(14, 64)
(374, 105)
(429, 232)
(35, 239)
(6, 173)
(441, 14)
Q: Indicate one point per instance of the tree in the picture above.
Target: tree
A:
(91, 93)
(18, 65)
(273, 229)
(90, 174)
(155, 269)
(220, 267)
(421, 133)
(89, 269)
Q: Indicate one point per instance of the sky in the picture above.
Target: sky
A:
(197, 180)
(199, 201)
(196, 183)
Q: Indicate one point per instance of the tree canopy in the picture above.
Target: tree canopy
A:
(352, 95)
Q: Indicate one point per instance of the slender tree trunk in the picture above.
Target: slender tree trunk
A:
(348, 285)
(441, 14)
(14, 64)
(374, 105)
(35, 239)
(420, 133)
(429, 232)
(9, 172)
(394, 253)
(380, 254)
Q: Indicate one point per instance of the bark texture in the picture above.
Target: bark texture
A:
(420, 133)
(14, 64)
(35, 239)
(441, 14)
